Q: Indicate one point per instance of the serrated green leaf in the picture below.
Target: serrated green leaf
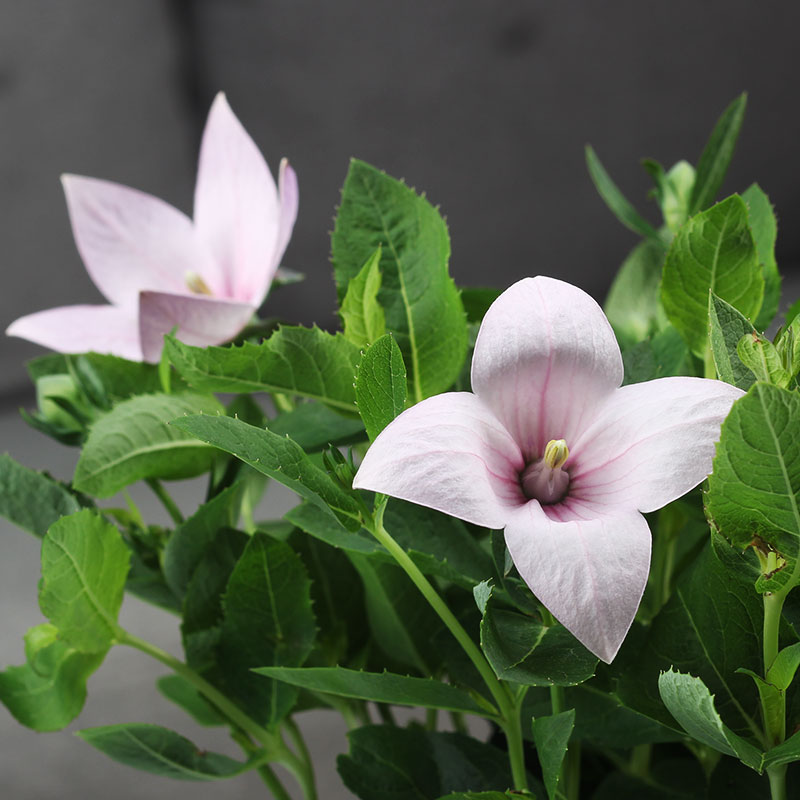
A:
(48, 692)
(726, 327)
(755, 485)
(307, 362)
(133, 441)
(714, 251)
(268, 621)
(716, 156)
(632, 305)
(551, 735)
(615, 200)
(381, 385)
(690, 702)
(151, 748)
(362, 314)
(379, 687)
(422, 305)
(759, 355)
(764, 228)
(184, 695)
(277, 457)
(84, 566)
(521, 649)
(32, 500)
(710, 626)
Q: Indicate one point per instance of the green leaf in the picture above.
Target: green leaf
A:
(726, 327)
(133, 442)
(510, 795)
(315, 426)
(381, 385)
(32, 500)
(759, 355)
(716, 156)
(277, 457)
(161, 751)
(782, 671)
(714, 251)
(268, 622)
(690, 702)
(676, 189)
(190, 540)
(384, 687)
(663, 355)
(48, 692)
(551, 735)
(422, 305)
(307, 362)
(632, 305)
(362, 314)
(410, 764)
(184, 695)
(615, 200)
(523, 650)
(755, 485)
(764, 228)
(784, 753)
(709, 627)
(477, 300)
(84, 566)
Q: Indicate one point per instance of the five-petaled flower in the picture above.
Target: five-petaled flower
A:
(159, 269)
(550, 448)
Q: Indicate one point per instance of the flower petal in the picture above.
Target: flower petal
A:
(236, 208)
(589, 574)
(448, 453)
(651, 443)
(201, 320)
(545, 358)
(289, 200)
(130, 241)
(79, 329)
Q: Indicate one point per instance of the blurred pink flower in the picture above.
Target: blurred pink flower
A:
(158, 268)
(553, 451)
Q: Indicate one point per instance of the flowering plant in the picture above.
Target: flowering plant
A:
(579, 524)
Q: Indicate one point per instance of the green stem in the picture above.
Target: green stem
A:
(166, 500)
(709, 367)
(773, 700)
(777, 782)
(572, 771)
(271, 742)
(282, 402)
(265, 771)
(306, 779)
(509, 713)
(639, 764)
(431, 717)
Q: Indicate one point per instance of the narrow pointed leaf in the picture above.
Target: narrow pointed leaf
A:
(381, 385)
(781, 673)
(713, 251)
(151, 748)
(380, 687)
(277, 457)
(184, 695)
(690, 702)
(615, 200)
(306, 362)
(32, 500)
(362, 314)
(716, 156)
(726, 328)
(764, 227)
(421, 303)
(551, 735)
(84, 566)
(133, 441)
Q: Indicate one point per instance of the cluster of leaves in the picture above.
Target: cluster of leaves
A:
(312, 611)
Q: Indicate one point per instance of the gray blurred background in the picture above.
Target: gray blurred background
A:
(484, 105)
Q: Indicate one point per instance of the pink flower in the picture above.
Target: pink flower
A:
(547, 368)
(158, 268)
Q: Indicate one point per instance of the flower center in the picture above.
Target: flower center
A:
(196, 284)
(545, 480)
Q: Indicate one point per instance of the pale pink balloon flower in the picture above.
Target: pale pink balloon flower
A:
(551, 449)
(159, 269)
